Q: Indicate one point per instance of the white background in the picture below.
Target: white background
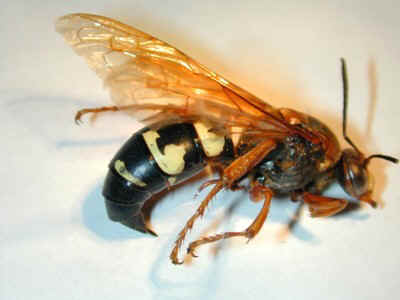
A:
(56, 240)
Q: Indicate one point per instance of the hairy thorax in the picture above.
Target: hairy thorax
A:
(291, 166)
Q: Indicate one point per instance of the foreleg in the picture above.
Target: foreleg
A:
(321, 206)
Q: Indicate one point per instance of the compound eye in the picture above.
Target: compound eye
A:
(359, 179)
(352, 174)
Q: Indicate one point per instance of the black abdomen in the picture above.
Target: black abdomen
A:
(153, 159)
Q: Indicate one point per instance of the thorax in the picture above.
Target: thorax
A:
(296, 161)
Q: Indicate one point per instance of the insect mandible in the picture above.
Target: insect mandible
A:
(192, 114)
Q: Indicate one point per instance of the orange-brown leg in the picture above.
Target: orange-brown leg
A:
(96, 110)
(247, 162)
(165, 109)
(237, 169)
(321, 206)
(189, 224)
(250, 231)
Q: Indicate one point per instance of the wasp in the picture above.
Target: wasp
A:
(192, 115)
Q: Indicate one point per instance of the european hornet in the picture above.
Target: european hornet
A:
(192, 114)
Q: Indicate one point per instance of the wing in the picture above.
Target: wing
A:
(144, 73)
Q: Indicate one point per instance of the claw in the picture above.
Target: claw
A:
(175, 260)
(250, 234)
(174, 257)
(190, 251)
(77, 118)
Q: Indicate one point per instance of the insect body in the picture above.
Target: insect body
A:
(193, 115)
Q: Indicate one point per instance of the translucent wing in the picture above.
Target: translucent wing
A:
(144, 73)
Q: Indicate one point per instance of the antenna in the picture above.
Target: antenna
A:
(385, 157)
(345, 101)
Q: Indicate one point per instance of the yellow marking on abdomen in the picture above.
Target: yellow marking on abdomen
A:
(120, 167)
(171, 162)
(212, 143)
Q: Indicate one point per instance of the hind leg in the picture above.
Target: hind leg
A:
(250, 232)
(237, 169)
(199, 212)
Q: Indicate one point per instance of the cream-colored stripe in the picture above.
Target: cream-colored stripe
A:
(121, 169)
(212, 143)
(171, 162)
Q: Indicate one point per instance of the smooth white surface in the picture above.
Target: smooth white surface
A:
(56, 241)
